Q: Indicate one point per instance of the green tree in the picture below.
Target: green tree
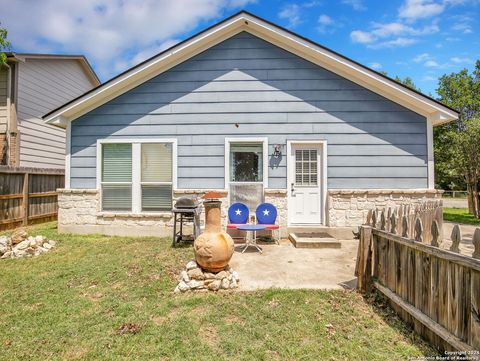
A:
(4, 45)
(408, 82)
(453, 158)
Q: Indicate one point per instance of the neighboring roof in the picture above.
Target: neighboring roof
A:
(20, 57)
(432, 109)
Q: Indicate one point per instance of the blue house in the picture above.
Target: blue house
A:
(252, 111)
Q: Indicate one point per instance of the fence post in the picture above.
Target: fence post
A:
(25, 199)
(364, 260)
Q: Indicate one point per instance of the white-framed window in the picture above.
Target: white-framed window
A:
(246, 170)
(136, 175)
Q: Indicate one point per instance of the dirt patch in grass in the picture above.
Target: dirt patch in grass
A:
(209, 335)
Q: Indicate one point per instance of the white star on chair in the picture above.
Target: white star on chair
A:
(238, 212)
(266, 212)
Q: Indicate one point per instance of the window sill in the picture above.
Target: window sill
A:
(165, 214)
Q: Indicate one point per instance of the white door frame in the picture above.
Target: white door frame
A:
(323, 174)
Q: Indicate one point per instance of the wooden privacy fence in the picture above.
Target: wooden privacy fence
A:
(434, 289)
(28, 195)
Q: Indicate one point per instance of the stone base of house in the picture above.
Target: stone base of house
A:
(347, 208)
(80, 211)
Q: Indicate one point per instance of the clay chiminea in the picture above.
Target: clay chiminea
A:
(214, 247)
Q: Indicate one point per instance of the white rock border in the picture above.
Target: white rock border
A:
(194, 278)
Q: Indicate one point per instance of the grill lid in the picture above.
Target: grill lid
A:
(187, 202)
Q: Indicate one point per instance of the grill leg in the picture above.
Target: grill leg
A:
(174, 241)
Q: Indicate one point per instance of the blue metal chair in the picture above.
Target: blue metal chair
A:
(237, 215)
(267, 215)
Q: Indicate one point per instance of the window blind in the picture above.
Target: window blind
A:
(117, 162)
(156, 197)
(116, 197)
(156, 162)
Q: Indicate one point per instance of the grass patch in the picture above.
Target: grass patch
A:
(97, 297)
(460, 215)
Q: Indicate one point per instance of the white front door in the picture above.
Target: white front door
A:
(305, 183)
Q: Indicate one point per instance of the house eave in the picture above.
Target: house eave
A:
(283, 38)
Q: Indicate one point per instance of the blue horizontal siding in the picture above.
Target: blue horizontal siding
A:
(245, 87)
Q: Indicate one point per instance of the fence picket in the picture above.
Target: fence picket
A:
(456, 237)
(476, 243)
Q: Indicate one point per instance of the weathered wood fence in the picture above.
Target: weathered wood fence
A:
(28, 195)
(435, 290)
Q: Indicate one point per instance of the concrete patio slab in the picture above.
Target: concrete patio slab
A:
(284, 266)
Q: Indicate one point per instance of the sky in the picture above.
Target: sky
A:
(422, 39)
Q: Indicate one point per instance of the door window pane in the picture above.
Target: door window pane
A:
(117, 162)
(246, 162)
(156, 162)
(306, 167)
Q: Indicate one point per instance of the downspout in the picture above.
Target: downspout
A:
(9, 113)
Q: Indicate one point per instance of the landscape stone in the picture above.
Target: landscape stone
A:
(182, 286)
(191, 265)
(7, 254)
(195, 284)
(47, 245)
(184, 276)
(22, 245)
(196, 274)
(225, 283)
(52, 243)
(215, 285)
(19, 235)
(220, 275)
(4, 241)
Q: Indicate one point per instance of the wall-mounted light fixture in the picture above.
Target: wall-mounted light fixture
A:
(277, 150)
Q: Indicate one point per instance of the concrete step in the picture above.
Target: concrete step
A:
(313, 240)
(335, 232)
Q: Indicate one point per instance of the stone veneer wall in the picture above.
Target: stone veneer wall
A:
(347, 208)
(80, 212)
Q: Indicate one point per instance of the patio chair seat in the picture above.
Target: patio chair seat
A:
(234, 226)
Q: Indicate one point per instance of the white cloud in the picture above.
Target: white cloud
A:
(399, 34)
(375, 66)
(325, 19)
(465, 28)
(327, 25)
(398, 42)
(109, 32)
(421, 57)
(431, 64)
(291, 12)
(459, 60)
(355, 4)
(417, 9)
(362, 37)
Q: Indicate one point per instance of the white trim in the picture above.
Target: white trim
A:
(324, 176)
(68, 154)
(245, 22)
(264, 141)
(430, 156)
(136, 177)
(136, 167)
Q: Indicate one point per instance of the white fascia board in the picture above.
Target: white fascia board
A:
(279, 37)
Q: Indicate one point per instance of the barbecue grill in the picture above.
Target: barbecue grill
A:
(186, 210)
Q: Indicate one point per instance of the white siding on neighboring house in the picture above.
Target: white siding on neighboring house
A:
(44, 85)
(3, 99)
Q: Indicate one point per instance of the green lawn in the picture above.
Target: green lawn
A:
(460, 215)
(96, 298)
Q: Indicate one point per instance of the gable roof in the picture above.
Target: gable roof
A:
(432, 109)
(87, 68)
